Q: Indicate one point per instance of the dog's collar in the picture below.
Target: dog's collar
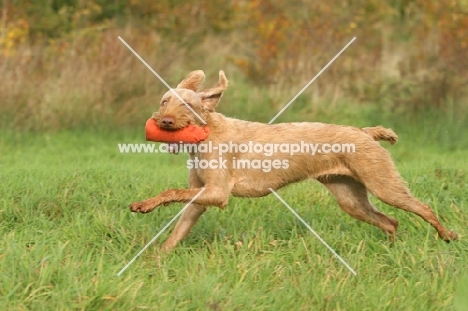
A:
(191, 134)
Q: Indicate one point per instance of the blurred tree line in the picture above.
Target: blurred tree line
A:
(38, 19)
(407, 53)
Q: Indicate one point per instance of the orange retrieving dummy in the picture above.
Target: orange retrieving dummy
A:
(189, 134)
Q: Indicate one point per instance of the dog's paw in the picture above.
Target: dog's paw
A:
(166, 248)
(453, 236)
(450, 236)
(141, 207)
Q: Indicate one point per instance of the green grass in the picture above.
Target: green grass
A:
(66, 232)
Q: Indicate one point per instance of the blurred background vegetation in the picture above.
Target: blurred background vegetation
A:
(62, 65)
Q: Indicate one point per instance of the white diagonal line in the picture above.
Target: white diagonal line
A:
(310, 82)
(160, 232)
(162, 80)
(312, 230)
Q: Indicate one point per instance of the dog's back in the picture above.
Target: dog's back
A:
(259, 156)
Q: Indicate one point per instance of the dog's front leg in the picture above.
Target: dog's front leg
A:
(184, 225)
(189, 217)
(212, 196)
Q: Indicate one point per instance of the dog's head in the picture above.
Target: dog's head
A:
(174, 114)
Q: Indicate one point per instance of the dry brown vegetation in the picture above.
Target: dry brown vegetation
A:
(408, 55)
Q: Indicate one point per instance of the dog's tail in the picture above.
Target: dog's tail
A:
(381, 133)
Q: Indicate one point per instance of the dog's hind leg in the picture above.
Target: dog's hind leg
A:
(382, 180)
(391, 189)
(353, 199)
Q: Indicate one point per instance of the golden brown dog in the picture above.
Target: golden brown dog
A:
(348, 175)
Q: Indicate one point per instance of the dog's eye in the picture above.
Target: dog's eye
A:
(164, 103)
(187, 104)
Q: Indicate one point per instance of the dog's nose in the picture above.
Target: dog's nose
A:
(168, 121)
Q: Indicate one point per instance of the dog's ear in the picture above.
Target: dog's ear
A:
(211, 97)
(193, 81)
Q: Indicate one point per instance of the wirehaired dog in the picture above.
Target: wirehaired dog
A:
(348, 176)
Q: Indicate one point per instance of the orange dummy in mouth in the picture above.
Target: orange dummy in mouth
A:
(190, 134)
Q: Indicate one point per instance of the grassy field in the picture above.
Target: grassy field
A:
(70, 91)
(66, 232)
